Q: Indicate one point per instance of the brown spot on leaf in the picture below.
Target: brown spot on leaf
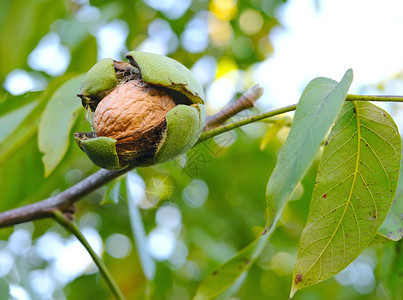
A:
(214, 273)
(324, 195)
(298, 278)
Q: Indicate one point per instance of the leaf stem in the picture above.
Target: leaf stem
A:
(211, 133)
(67, 223)
(244, 102)
(374, 98)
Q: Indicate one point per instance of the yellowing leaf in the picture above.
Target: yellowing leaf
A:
(356, 182)
(272, 132)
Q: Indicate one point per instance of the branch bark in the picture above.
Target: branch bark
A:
(244, 102)
(65, 200)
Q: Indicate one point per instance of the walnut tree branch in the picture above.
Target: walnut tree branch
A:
(65, 200)
(244, 102)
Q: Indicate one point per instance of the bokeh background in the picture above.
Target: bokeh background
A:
(161, 230)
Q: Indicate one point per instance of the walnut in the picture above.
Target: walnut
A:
(132, 109)
(145, 112)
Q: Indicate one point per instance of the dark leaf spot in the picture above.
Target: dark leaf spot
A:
(324, 196)
(214, 273)
(298, 278)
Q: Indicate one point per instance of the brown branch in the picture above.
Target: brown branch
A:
(63, 201)
(244, 102)
(66, 199)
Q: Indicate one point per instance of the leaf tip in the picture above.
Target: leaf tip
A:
(47, 167)
(293, 291)
(349, 73)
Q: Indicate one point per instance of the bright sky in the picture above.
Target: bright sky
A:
(361, 34)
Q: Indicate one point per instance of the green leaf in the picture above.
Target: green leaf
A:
(22, 25)
(228, 274)
(316, 111)
(355, 185)
(28, 127)
(392, 227)
(11, 121)
(379, 239)
(56, 122)
(390, 270)
(234, 288)
(4, 289)
(112, 194)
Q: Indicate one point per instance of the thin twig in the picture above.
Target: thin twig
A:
(374, 98)
(67, 223)
(212, 133)
(244, 102)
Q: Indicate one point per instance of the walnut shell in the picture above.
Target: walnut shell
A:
(134, 114)
(130, 110)
(147, 111)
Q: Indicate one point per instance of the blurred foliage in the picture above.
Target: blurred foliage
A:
(218, 187)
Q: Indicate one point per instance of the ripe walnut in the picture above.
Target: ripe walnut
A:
(130, 110)
(153, 113)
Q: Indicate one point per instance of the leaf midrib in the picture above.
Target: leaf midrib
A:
(351, 190)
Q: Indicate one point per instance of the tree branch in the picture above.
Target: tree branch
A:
(66, 199)
(62, 201)
(211, 133)
(244, 102)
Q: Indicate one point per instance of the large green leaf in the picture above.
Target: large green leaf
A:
(56, 122)
(355, 185)
(316, 111)
(27, 128)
